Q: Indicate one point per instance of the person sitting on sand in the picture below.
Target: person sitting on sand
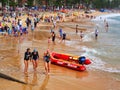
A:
(47, 61)
(35, 57)
(27, 57)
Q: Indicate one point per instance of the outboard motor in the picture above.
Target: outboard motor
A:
(82, 59)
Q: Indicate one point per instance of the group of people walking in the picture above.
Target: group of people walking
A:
(34, 57)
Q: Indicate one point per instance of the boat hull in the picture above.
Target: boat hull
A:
(65, 61)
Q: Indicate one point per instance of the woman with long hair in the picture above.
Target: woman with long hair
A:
(47, 61)
(27, 57)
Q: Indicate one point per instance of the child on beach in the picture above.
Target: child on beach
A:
(48, 40)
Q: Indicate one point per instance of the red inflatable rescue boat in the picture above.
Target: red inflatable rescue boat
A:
(69, 61)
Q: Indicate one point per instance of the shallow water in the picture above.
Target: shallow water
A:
(105, 50)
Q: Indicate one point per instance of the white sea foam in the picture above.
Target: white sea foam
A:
(89, 50)
(103, 17)
(70, 43)
(87, 38)
(97, 63)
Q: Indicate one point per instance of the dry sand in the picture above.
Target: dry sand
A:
(60, 78)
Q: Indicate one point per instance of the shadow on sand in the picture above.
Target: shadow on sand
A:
(11, 78)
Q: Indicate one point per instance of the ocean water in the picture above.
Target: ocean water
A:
(105, 51)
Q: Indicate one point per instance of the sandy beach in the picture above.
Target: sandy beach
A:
(12, 63)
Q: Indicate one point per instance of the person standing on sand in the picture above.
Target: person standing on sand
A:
(64, 37)
(32, 27)
(47, 61)
(48, 40)
(76, 29)
(54, 24)
(81, 35)
(27, 22)
(60, 33)
(53, 37)
(35, 57)
(27, 57)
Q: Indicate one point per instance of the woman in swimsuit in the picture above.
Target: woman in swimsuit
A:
(27, 57)
(47, 61)
(35, 57)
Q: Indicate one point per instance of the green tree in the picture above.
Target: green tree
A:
(12, 3)
(30, 3)
(4, 2)
(101, 3)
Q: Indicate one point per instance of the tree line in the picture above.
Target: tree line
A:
(87, 3)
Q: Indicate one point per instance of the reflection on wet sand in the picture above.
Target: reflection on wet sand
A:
(31, 83)
(45, 82)
(62, 71)
(35, 79)
(26, 80)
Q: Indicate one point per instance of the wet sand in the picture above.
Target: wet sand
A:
(11, 62)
